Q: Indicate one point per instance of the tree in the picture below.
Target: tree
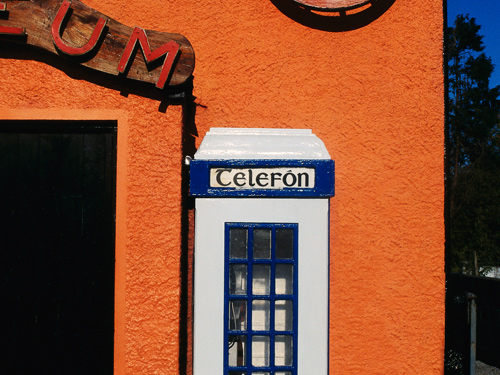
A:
(473, 152)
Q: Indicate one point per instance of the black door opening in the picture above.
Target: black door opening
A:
(57, 246)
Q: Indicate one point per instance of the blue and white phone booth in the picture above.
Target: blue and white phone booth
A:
(261, 271)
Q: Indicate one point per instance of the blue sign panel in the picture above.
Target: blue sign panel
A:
(262, 178)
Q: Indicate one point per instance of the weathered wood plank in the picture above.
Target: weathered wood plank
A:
(37, 18)
(333, 4)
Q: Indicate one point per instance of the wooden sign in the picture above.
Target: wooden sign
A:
(333, 4)
(79, 33)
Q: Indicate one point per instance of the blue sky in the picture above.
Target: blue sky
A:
(487, 14)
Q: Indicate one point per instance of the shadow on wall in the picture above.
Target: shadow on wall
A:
(189, 135)
(168, 96)
(335, 21)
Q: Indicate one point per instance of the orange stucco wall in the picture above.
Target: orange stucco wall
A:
(374, 95)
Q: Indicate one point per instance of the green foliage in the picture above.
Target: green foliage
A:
(473, 152)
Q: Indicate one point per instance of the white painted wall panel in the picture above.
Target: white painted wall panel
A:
(312, 217)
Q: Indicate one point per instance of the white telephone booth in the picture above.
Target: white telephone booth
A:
(261, 270)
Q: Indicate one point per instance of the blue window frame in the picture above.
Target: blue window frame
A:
(260, 305)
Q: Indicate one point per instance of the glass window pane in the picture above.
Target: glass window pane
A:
(262, 244)
(238, 279)
(284, 243)
(283, 315)
(283, 373)
(237, 315)
(237, 350)
(243, 373)
(283, 346)
(261, 279)
(238, 239)
(260, 351)
(260, 315)
(260, 373)
(284, 279)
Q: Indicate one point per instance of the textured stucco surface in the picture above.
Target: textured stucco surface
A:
(374, 95)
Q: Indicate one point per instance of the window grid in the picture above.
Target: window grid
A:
(242, 327)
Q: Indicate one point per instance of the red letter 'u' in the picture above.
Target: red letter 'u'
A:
(62, 46)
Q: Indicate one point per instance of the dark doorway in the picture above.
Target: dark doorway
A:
(57, 246)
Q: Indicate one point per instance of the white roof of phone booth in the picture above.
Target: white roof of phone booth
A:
(256, 143)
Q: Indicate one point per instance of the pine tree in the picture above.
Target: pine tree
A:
(473, 152)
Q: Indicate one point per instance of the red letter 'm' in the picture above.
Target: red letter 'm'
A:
(171, 49)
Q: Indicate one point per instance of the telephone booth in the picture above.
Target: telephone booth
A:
(261, 270)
